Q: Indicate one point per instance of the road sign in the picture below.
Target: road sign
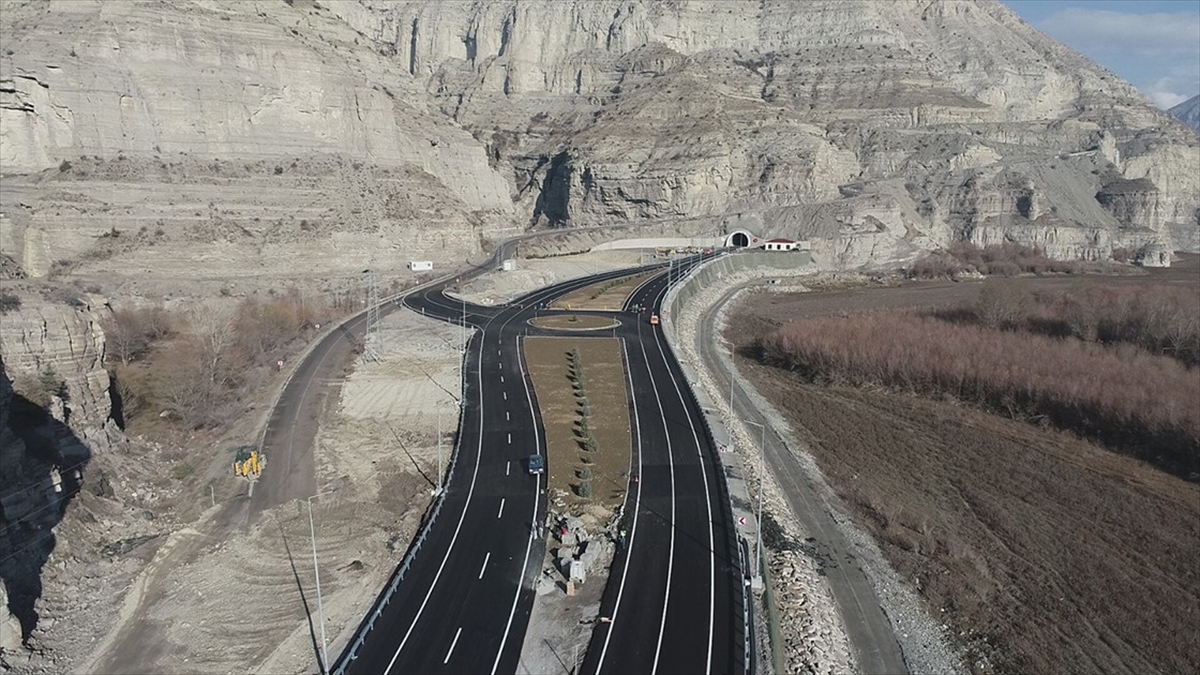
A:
(742, 520)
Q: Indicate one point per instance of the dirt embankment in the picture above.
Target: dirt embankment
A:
(1043, 552)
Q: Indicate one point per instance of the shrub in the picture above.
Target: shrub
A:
(584, 488)
(38, 389)
(182, 470)
(9, 303)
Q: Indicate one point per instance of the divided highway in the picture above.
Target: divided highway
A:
(674, 593)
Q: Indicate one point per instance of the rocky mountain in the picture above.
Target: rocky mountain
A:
(1188, 112)
(205, 139)
(872, 126)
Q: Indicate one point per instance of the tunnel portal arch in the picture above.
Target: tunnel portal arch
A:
(740, 239)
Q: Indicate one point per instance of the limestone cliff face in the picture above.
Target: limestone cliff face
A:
(281, 136)
(694, 108)
(55, 423)
(196, 95)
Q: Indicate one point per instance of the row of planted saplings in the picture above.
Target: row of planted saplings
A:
(584, 436)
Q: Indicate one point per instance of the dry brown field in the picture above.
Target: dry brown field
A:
(1043, 552)
(548, 362)
(605, 296)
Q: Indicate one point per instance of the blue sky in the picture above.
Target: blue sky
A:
(1152, 44)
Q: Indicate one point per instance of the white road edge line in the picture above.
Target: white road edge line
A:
(537, 494)
(712, 554)
(457, 528)
(485, 562)
(637, 424)
(662, 627)
(451, 650)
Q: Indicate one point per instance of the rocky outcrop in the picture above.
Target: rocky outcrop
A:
(695, 108)
(55, 419)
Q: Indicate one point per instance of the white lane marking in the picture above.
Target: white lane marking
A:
(662, 627)
(451, 650)
(537, 494)
(505, 396)
(486, 558)
(507, 467)
(507, 416)
(501, 511)
(501, 379)
(457, 528)
(712, 554)
(637, 424)
(510, 438)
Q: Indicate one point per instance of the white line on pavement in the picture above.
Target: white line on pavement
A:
(501, 511)
(451, 650)
(485, 561)
(507, 467)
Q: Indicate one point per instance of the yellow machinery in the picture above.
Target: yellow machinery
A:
(249, 462)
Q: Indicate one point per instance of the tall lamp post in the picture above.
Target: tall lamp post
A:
(756, 580)
(312, 533)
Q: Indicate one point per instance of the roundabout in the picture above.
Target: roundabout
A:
(574, 322)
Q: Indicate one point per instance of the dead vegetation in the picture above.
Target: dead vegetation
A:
(1130, 399)
(197, 368)
(1002, 260)
(1043, 552)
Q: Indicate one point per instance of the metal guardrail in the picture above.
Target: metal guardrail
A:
(732, 538)
(383, 599)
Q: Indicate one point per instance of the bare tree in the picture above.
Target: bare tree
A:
(215, 332)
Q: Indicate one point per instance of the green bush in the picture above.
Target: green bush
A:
(584, 488)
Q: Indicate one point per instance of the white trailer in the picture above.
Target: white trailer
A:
(420, 265)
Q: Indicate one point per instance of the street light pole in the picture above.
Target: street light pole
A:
(312, 532)
(756, 580)
(439, 448)
(732, 375)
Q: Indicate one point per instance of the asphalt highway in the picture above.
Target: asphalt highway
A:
(673, 597)
(673, 602)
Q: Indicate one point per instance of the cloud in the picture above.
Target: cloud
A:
(1165, 92)
(1157, 52)
(1158, 35)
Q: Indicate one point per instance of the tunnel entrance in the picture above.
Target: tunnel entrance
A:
(739, 239)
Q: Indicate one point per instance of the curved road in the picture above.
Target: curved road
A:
(868, 630)
(464, 605)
